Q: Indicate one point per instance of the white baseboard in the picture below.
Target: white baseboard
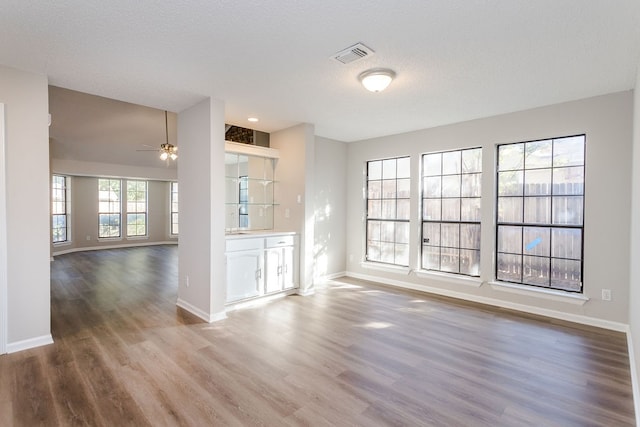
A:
(321, 281)
(14, 347)
(307, 292)
(207, 317)
(576, 318)
(118, 246)
(634, 376)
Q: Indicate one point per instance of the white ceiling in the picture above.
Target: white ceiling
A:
(455, 59)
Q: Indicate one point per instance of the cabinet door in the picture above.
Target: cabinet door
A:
(288, 267)
(273, 267)
(244, 275)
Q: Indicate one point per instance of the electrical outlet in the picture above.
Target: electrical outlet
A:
(606, 295)
(88, 237)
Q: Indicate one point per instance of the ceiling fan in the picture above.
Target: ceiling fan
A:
(167, 150)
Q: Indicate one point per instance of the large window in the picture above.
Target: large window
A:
(451, 187)
(388, 212)
(136, 208)
(174, 208)
(59, 217)
(540, 213)
(108, 208)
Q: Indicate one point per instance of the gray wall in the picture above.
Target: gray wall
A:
(607, 122)
(330, 208)
(83, 217)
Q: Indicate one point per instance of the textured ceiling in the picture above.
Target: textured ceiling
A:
(455, 59)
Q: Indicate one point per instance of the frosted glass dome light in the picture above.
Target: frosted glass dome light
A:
(377, 79)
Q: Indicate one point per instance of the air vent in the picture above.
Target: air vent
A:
(352, 54)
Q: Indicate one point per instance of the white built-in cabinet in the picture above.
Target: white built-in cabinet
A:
(260, 265)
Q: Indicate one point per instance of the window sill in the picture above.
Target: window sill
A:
(138, 238)
(552, 294)
(385, 267)
(109, 239)
(62, 244)
(457, 279)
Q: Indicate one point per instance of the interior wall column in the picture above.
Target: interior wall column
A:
(3, 240)
(201, 260)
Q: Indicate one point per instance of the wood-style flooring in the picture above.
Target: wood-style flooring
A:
(354, 353)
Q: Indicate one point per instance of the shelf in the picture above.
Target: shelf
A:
(236, 179)
(266, 205)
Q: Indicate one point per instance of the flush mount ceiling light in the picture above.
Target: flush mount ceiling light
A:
(376, 79)
(252, 119)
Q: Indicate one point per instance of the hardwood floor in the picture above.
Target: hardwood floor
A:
(352, 354)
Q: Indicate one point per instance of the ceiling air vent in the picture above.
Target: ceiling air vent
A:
(352, 54)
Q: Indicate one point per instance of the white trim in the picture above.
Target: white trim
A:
(29, 343)
(576, 318)
(110, 239)
(456, 279)
(4, 292)
(124, 245)
(252, 150)
(207, 317)
(257, 301)
(321, 281)
(307, 292)
(389, 268)
(634, 375)
(552, 294)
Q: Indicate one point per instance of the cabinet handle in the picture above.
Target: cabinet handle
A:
(258, 274)
(279, 270)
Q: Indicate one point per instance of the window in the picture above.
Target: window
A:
(136, 208)
(388, 211)
(59, 217)
(108, 208)
(451, 187)
(174, 208)
(540, 213)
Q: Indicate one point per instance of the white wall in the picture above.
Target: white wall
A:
(202, 214)
(330, 203)
(634, 280)
(294, 192)
(607, 123)
(25, 96)
(108, 170)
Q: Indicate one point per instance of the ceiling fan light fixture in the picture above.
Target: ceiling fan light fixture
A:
(376, 79)
(167, 151)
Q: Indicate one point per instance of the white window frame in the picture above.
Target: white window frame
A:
(137, 208)
(110, 211)
(64, 191)
(174, 225)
